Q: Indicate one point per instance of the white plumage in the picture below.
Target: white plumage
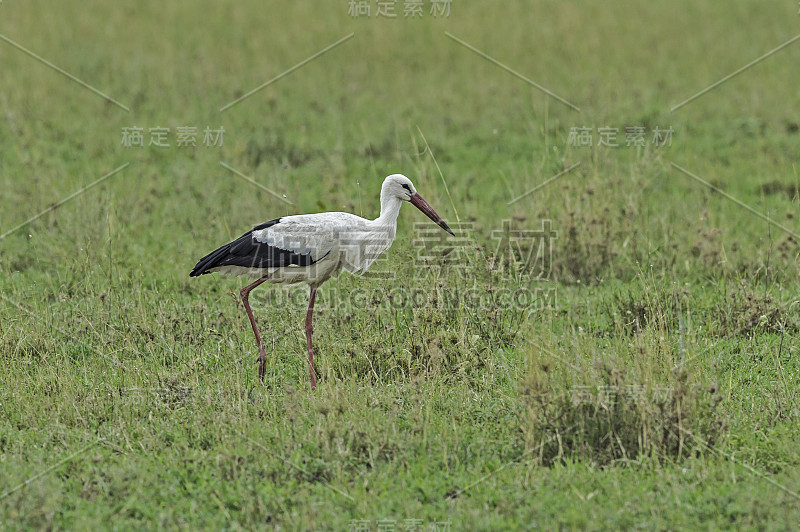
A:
(310, 248)
(332, 241)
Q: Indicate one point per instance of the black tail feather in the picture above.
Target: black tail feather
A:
(212, 259)
(249, 253)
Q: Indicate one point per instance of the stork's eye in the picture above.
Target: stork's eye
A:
(405, 186)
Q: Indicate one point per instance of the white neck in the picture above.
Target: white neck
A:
(390, 208)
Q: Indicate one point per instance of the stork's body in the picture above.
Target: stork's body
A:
(310, 248)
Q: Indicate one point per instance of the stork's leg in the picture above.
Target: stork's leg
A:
(309, 330)
(262, 358)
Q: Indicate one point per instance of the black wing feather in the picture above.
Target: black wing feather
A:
(248, 252)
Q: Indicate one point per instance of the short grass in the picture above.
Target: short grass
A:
(645, 377)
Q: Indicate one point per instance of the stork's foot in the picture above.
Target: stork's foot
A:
(262, 366)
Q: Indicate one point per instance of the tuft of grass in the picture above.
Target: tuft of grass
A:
(617, 420)
(748, 310)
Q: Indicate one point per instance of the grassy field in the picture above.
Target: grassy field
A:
(634, 367)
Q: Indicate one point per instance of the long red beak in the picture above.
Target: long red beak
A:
(417, 201)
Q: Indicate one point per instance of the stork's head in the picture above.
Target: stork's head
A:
(401, 187)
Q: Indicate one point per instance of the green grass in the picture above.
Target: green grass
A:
(655, 387)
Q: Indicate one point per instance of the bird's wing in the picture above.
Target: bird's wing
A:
(312, 235)
(252, 251)
(354, 240)
(299, 240)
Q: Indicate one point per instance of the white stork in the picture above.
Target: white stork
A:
(310, 248)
